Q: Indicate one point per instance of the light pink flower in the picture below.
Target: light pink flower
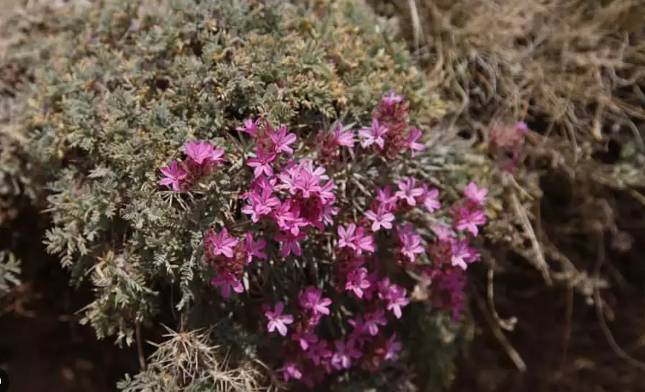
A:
(431, 199)
(355, 238)
(468, 219)
(221, 243)
(410, 242)
(385, 198)
(409, 191)
(414, 135)
(289, 371)
(277, 320)
(343, 136)
(475, 194)
(394, 295)
(174, 176)
(373, 135)
(380, 219)
(262, 163)
(462, 254)
(203, 153)
(311, 298)
(250, 126)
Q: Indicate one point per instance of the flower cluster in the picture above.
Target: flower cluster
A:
(291, 204)
(201, 158)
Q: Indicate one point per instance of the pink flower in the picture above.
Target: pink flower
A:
(290, 371)
(373, 320)
(290, 244)
(226, 282)
(261, 164)
(443, 232)
(174, 175)
(203, 153)
(410, 242)
(357, 281)
(468, 219)
(343, 136)
(355, 238)
(254, 248)
(311, 298)
(392, 99)
(260, 204)
(415, 134)
(385, 198)
(250, 126)
(277, 320)
(373, 135)
(392, 348)
(394, 295)
(409, 191)
(431, 199)
(221, 243)
(282, 140)
(344, 355)
(319, 352)
(475, 194)
(462, 254)
(380, 219)
(305, 339)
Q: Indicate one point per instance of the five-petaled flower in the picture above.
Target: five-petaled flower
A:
(381, 219)
(221, 243)
(277, 320)
(174, 175)
(373, 135)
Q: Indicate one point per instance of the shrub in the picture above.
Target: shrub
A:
(153, 192)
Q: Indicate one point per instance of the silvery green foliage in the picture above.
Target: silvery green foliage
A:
(9, 272)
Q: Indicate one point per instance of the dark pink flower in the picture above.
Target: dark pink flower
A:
(277, 320)
(357, 281)
(409, 191)
(254, 248)
(311, 298)
(282, 140)
(203, 153)
(344, 354)
(262, 163)
(413, 136)
(355, 238)
(289, 371)
(221, 243)
(174, 176)
(462, 254)
(261, 203)
(319, 352)
(392, 349)
(373, 135)
(380, 219)
(289, 243)
(410, 242)
(250, 126)
(385, 198)
(468, 219)
(373, 320)
(394, 295)
(305, 339)
(226, 282)
(475, 194)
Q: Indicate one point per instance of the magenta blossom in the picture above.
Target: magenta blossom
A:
(250, 126)
(319, 352)
(394, 295)
(381, 219)
(392, 349)
(289, 371)
(254, 248)
(343, 135)
(357, 281)
(260, 204)
(475, 194)
(282, 140)
(355, 238)
(277, 320)
(409, 191)
(431, 199)
(385, 198)
(305, 339)
(344, 355)
(410, 242)
(373, 320)
(226, 282)
(311, 298)
(468, 219)
(262, 163)
(415, 134)
(221, 243)
(462, 254)
(203, 153)
(373, 135)
(290, 244)
(174, 176)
